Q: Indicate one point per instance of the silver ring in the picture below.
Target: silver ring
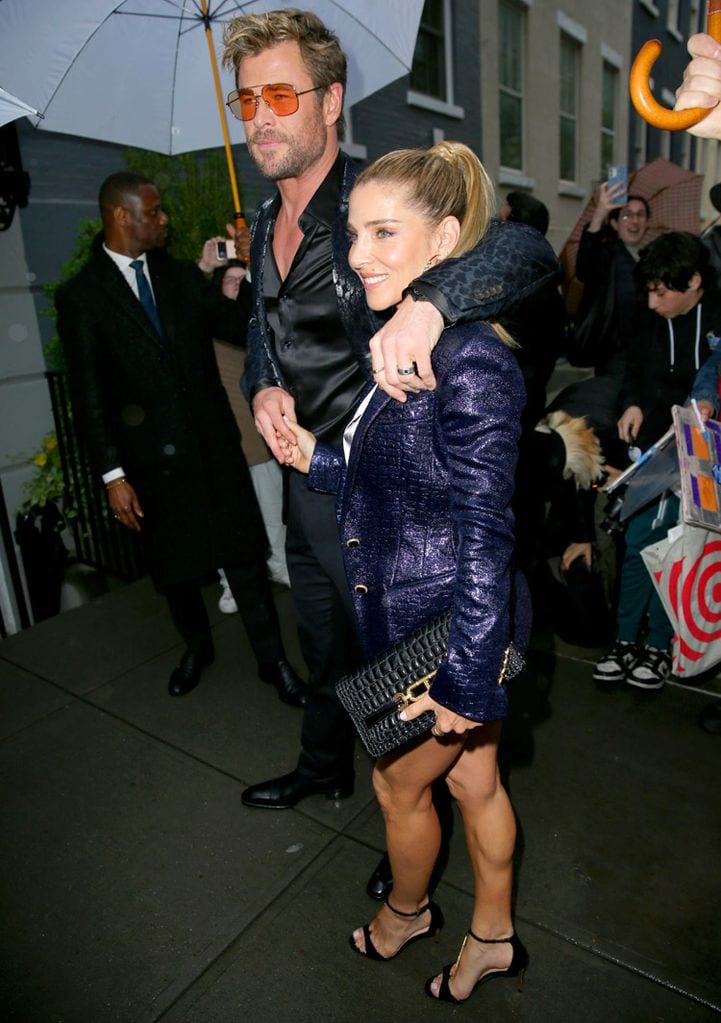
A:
(435, 731)
(379, 370)
(406, 371)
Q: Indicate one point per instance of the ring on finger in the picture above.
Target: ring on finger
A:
(379, 370)
(406, 371)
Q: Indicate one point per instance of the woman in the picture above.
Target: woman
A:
(425, 524)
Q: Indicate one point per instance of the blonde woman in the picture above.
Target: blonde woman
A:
(424, 492)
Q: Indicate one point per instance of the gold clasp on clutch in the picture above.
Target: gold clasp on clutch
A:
(414, 691)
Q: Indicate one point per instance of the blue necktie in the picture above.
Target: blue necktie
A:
(145, 295)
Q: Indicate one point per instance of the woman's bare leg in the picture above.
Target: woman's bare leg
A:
(413, 836)
(490, 829)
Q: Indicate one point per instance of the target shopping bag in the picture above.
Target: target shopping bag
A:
(686, 570)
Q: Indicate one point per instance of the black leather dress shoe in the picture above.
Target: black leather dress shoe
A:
(710, 719)
(290, 686)
(284, 792)
(381, 880)
(187, 675)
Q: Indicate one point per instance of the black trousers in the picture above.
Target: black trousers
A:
(251, 588)
(326, 627)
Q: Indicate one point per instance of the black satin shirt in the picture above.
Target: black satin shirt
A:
(314, 353)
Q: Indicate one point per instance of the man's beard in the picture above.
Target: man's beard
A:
(298, 156)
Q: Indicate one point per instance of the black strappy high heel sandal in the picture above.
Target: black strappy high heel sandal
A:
(434, 930)
(517, 968)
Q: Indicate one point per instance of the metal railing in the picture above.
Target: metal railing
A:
(99, 540)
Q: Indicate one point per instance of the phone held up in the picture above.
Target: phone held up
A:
(617, 174)
(225, 249)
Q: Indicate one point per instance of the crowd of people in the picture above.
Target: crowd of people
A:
(396, 343)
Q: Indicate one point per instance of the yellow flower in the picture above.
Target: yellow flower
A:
(50, 442)
(40, 460)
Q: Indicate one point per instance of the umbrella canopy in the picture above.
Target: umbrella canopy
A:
(11, 108)
(673, 194)
(137, 72)
(686, 570)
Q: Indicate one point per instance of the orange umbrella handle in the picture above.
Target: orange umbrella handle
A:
(640, 87)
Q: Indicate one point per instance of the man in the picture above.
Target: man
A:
(137, 329)
(308, 354)
(670, 348)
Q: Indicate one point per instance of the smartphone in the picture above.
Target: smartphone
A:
(225, 250)
(619, 173)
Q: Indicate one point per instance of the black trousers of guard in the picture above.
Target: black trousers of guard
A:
(326, 628)
(251, 588)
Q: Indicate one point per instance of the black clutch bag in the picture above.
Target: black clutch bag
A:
(374, 695)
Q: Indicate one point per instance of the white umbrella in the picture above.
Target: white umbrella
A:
(137, 72)
(11, 108)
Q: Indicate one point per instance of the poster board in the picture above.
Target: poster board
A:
(699, 457)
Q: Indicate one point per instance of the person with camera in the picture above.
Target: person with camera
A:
(673, 342)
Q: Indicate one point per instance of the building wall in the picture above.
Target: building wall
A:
(606, 31)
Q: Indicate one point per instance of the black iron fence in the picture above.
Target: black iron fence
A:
(99, 540)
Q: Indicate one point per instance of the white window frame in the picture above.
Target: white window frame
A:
(439, 106)
(577, 38)
(515, 175)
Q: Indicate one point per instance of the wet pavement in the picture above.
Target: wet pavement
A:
(136, 887)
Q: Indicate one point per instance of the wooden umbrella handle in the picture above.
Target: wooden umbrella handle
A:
(640, 87)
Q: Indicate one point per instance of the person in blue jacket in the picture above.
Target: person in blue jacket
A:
(423, 507)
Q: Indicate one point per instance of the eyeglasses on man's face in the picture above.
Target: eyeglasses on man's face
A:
(282, 100)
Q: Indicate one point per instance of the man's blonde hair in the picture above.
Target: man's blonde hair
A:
(251, 34)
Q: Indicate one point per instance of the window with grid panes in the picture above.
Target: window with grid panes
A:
(428, 71)
(511, 24)
(609, 92)
(568, 107)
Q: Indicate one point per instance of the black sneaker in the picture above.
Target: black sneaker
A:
(651, 669)
(615, 665)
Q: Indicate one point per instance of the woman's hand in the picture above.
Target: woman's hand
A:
(300, 453)
(446, 720)
(607, 199)
(576, 550)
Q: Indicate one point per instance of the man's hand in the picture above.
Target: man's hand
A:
(209, 259)
(124, 505)
(406, 342)
(630, 423)
(701, 85)
(272, 408)
(241, 237)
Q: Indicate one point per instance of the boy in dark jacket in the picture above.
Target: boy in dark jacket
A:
(665, 357)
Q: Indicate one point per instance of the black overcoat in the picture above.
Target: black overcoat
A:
(156, 407)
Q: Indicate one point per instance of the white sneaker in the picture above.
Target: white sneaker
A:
(226, 602)
(278, 571)
(651, 669)
(615, 665)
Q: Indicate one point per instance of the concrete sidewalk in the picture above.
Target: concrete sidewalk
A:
(136, 887)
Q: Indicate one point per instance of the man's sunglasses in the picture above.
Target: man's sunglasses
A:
(282, 100)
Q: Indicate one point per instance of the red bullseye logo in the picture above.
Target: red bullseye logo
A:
(695, 594)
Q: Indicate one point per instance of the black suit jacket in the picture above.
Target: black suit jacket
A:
(155, 406)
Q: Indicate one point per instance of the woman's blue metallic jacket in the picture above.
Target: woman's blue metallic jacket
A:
(425, 520)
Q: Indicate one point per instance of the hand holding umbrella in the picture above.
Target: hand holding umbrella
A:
(640, 85)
